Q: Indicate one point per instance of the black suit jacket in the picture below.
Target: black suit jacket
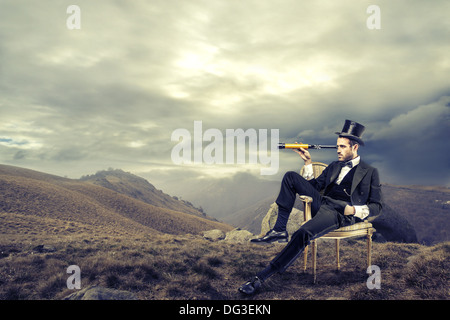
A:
(366, 187)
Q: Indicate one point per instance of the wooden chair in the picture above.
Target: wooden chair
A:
(356, 230)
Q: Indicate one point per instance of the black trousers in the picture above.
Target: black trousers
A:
(327, 215)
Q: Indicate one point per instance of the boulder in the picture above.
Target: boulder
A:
(101, 293)
(239, 236)
(294, 222)
(214, 235)
(42, 248)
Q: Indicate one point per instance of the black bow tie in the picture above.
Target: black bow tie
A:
(347, 164)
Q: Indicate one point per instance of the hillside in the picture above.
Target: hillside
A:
(427, 208)
(30, 193)
(136, 187)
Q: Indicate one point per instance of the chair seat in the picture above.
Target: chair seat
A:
(357, 229)
(356, 226)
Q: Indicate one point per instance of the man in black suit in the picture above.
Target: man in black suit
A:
(351, 192)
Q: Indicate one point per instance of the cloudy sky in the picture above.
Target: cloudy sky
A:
(110, 94)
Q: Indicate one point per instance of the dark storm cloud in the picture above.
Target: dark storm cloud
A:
(413, 147)
(111, 93)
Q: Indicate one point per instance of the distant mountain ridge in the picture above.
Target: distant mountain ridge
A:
(30, 193)
(138, 188)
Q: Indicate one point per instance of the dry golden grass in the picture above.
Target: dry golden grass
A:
(41, 195)
(162, 266)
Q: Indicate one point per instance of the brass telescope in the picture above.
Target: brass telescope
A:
(304, 146)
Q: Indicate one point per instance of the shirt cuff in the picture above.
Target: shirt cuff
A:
(361, 212)
(308, 172)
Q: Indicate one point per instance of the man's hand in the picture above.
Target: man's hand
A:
(349, 210)
(304, 154)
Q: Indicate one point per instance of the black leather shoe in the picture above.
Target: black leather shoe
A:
(272, 236)
(250, 287)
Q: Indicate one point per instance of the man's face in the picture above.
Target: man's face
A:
(345, 151)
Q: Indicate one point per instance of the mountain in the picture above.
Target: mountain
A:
(220, 197)
(138, 188)
(30, 195)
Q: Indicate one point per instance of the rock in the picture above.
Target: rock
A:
(214, 235)
(238, 235)
(235, 235)
(294, 222)
(44, 248)
(101, 293)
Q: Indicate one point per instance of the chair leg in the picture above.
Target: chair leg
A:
(369, 249)
(314, 259)
(305, 259)
(338, 262)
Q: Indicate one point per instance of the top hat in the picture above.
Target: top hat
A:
(352, 130)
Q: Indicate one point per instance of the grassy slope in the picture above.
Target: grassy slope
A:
(162, 266)
(40, 195)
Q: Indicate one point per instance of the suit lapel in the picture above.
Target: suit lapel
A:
(360, 172)
(335, 169)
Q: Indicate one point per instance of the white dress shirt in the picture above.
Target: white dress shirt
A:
(360, 211)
